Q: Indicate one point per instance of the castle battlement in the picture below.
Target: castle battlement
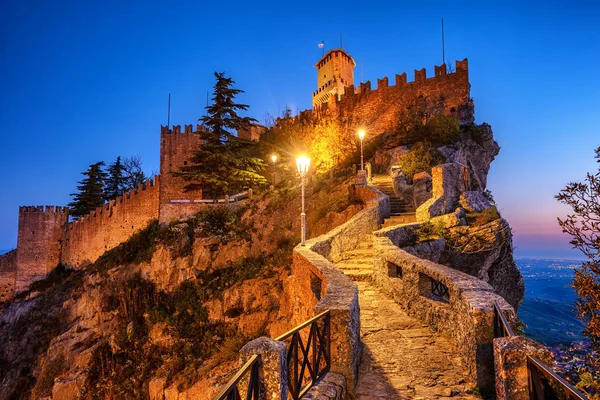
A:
(176, 129)
(120, 201)
(43, 209)
(453, 87)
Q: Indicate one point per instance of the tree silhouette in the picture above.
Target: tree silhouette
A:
(90, 193)
(223, 163)
(584, 227)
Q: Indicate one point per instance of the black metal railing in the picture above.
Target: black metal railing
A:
(544, 384)
(252, 391)
(308, 354)
(439, 290)
(501, 326)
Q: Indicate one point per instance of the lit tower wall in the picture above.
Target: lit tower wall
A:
(335, 70)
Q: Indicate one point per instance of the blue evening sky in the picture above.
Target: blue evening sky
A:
(84, 81)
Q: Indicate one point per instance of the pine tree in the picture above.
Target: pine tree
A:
(90, 191)
(114, 185)
(224, 163)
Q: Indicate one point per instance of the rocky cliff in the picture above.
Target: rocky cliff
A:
(165, 313)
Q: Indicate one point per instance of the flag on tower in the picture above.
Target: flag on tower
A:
(322, 45)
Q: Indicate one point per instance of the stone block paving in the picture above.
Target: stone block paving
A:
(401, 357)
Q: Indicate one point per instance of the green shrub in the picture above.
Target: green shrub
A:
(422, 157)
(483, 217)
(431, 231)
(443, 129)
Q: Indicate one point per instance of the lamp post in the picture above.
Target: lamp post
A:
(303, 163)
(361, 135)
(274, 160)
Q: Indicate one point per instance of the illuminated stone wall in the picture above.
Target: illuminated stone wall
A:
(335, 71)
(8, 272)
(41, 232)
(108, 226)
(175, 150)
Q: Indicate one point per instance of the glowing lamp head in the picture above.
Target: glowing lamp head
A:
(361, 134)
(274, 158)
(302, 163)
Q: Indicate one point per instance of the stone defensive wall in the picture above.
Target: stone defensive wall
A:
(319, 285)
(8, 270)
(39, 241)
(379, 109)
(90, 236)
(458, 305)
(176, 148)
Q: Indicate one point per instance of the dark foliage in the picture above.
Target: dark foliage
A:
(114, 184)
(90, 193)
(224, 163)
(133, 175)
(583, 225)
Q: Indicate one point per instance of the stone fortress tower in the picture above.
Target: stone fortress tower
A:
(47, 238)
(335, 70)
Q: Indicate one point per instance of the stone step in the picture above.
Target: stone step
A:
(365, 245)
(358, 260)
(357, 252)
(351, 265)
(360, 276)
(402, 218)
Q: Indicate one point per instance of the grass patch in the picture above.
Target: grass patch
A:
(431, 231)
(483, 217)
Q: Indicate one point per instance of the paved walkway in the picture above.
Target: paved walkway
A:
(402, 358)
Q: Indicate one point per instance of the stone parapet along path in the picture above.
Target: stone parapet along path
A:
(401, 357)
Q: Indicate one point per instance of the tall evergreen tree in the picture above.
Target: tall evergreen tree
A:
(224, 163)
(90, 191)
(115, 185)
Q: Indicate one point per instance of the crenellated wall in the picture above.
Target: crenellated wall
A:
(175, 149)
(8, 274)
(41, 233)
(90, 236)
(379, 109)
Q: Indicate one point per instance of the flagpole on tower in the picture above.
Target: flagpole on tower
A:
(443, 50)
(322, 46)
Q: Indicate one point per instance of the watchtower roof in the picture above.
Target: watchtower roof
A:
(336, 51)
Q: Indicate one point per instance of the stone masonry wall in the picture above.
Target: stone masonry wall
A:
(175, 150)
(378, 110)
(318, 285)
(8, 272)
(465, 317)
(116, 221)
(41, 232)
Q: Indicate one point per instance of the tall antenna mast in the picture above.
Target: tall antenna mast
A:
(443, 50)
(362, 70)
(169, 113)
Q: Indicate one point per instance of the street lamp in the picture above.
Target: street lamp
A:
(361, 135)
(274, 160)
(303, 163)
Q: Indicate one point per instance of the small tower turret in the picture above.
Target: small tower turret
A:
(335, 71)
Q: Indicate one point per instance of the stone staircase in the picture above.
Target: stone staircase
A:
(402, 211)
(401, 357)
(358, 263)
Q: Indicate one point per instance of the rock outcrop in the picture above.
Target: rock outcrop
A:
(230, 276)
(486, 252)
(476, 156)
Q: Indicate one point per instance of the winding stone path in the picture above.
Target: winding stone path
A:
(401, 358)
